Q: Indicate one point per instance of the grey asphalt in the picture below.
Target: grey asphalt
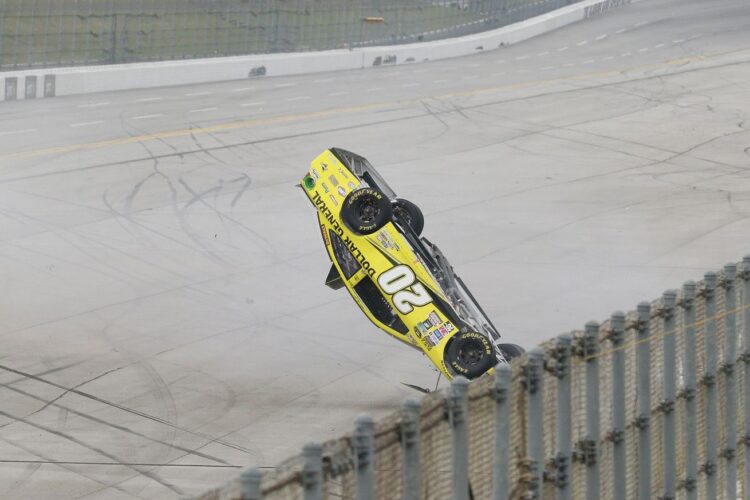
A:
(164, 319)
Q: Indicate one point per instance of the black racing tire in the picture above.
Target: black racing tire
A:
(470, 354)
(409, 213)
(511, 351)
(366, 210)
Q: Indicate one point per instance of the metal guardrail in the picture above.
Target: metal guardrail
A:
(53, 33)
(650, 404)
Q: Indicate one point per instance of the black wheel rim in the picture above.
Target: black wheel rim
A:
(403, 214)
(471, 353)
(368, 211)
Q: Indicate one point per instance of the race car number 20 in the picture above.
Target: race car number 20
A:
(396, 281)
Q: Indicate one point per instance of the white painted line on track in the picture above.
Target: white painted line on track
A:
(24, 131)
(541, 54)
(149, 99)
(547, 68)
(638, 25)
(442, 81)
(196, 94)
(473, 65)
(375, 89)
(92, 105)
(695, 36)
(626, 54)
(500, 61)
(414, 84)
(621, 31)
(644, 49)
(658, 46)
(679, 40)
(299, 98)
(336, 94)
(562, 48)
(284, 85)
(86, 124)
(146, 117)
(202, 110)
(601, 37)
(243, 89)
(581, 44)
(568, 65)
(256, 103)
(323, 80)
(589, 61)
(470, 77)
(521, 58)
(608, 58)
(499, 73)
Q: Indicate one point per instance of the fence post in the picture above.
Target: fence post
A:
(533, 382)
(617, 435)
(501, 471)
(730, 383)
(709, 381)
(643, 361)
(459, 409)
(364, 428)
(746, 378)
(590, 447)
(563, 417)
(669, 392)
(312, 471)
(250, 480)
(410, 436)
(689, 482)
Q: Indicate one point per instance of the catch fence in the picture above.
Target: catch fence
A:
(650, 404)
(53, 33)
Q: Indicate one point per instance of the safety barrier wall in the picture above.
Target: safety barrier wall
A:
(654, 403)
(97, 49)
(54, 33)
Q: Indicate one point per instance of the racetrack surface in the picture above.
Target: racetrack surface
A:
(164, 318)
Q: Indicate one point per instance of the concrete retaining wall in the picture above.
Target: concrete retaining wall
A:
(30, 84)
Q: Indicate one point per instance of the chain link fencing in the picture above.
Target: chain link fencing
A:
(53, 33)
(649, 404)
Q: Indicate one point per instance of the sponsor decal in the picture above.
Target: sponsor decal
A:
(333, 199)
(443, 331)
(342, 172)
(384, 237)
(428, 339)
(434, 339)
(420, 327)
(439, 335)
(323, 208)
(315, 174)
(325, 188)
(434, 318)
(326, 239)
(333, 180)
(417, 332)
(449, 327)
(323, 166)
(342, 191)
(352, 185)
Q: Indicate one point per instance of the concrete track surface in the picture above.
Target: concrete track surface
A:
(163, 315)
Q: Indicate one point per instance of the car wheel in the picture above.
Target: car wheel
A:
(511, 351)
(409, 213)
(366, 210)
(470, 354)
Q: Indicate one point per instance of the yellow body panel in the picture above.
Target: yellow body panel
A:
(428, 329)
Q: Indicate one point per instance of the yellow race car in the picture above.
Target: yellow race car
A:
(401, 281)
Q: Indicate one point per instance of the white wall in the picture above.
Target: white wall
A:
(88, 79)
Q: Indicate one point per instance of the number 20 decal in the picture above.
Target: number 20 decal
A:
(396, 280)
